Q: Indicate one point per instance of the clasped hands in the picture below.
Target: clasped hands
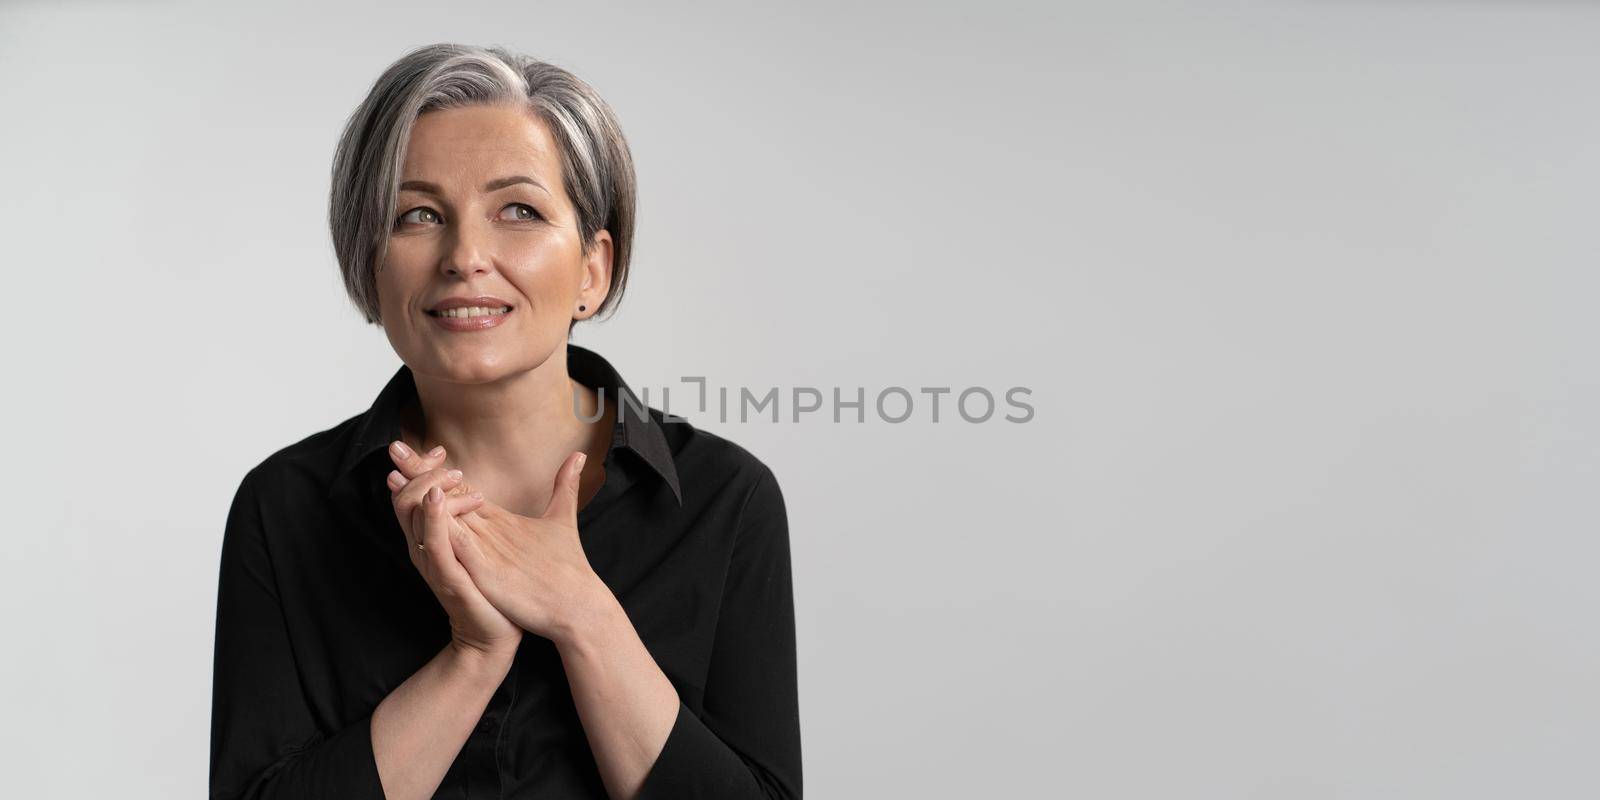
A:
(497, 573)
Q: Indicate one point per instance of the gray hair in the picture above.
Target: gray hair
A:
(596, 165)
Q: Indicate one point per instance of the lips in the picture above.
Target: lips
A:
(468, 319)
(486, 301)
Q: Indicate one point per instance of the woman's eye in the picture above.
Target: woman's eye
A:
(428, 216)
(523, 211)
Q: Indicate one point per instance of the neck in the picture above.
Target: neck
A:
(523, 424)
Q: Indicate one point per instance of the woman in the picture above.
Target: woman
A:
(507, 578)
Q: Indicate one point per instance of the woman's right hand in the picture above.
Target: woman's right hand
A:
(475, 624)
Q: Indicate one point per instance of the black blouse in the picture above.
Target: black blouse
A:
(320, 615)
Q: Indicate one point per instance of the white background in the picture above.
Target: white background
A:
(1304, 292)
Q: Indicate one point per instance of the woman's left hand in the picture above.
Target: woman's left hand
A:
(533, 569)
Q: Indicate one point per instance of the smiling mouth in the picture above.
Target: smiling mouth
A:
(471, 311)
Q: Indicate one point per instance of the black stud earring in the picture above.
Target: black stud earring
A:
(581, 308)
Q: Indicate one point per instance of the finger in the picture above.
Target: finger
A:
(411, 496)
(435, 534)
(412, 463)
(398, 481)
(469, 553)
(564, 500)
(457, 504)
(449, 547)
(487, 511)
(414, 546)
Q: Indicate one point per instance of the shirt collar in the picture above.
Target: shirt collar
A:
(636, 428)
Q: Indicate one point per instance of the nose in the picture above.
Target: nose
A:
(467, 253)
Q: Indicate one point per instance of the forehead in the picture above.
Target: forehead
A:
(461, 147)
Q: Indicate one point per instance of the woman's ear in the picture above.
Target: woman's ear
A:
(596, 283)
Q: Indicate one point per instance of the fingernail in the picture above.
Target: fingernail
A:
(438, 450)
(582, 457)
(396, 477)
(434, 494)
(477, 495)
(454, 474)
(401, 450)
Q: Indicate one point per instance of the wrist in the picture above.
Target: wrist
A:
(491, 663)
(587, 617)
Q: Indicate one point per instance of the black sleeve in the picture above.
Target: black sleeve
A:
(264, 741)
(747, 743)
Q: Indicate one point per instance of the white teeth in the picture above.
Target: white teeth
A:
(474, 311)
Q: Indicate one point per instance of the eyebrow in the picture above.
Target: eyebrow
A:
(497, 183)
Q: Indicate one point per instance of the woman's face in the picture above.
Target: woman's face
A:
(482, 212)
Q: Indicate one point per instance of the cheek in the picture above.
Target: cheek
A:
(398, 283)
(389, 295)
(544, 284)
(548, 289)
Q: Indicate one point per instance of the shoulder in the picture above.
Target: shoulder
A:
(710, 465)
(306, 465)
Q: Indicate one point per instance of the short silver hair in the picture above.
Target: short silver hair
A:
(596, 165)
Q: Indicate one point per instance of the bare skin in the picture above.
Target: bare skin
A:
(501, 552)
(419, 728)
(516, 493)
(625, 702)
(500, 399)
